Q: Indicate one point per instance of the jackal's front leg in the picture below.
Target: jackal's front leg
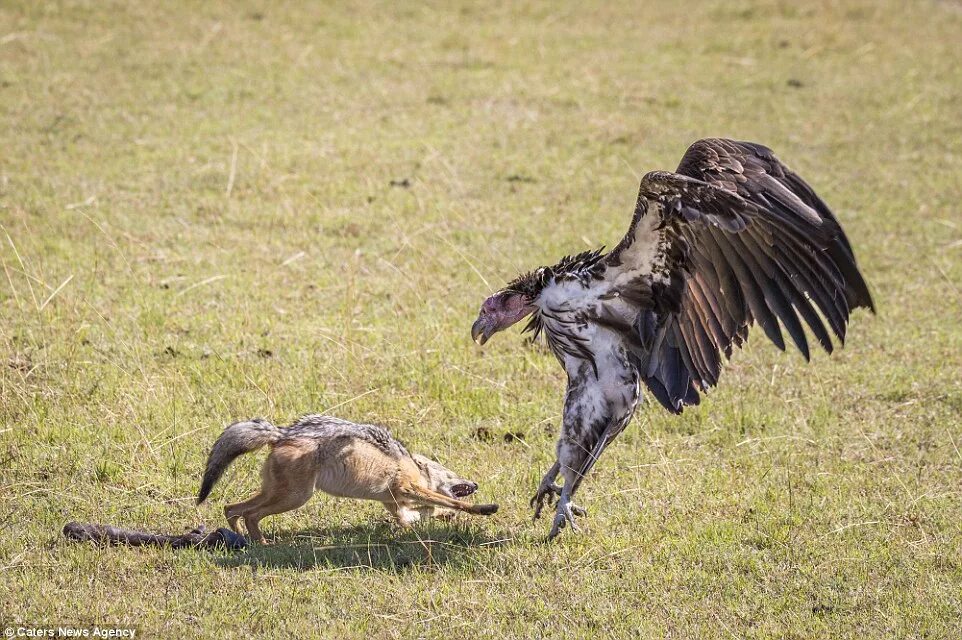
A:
(404, 515)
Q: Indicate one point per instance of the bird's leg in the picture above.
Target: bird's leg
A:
(549, 488)
(573, 475)
(566, 512)
(591, 460)
(546, 490)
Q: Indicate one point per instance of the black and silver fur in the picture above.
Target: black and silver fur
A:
(249, 435)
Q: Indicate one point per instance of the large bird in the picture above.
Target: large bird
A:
(731, 238)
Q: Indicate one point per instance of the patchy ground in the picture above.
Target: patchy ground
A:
(219, 210)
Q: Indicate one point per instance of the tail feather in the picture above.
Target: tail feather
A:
(237, 439)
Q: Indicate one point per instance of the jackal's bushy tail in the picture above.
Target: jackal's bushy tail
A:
(237, 439)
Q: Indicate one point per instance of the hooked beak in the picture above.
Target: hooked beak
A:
(479, 330)
(498, 312)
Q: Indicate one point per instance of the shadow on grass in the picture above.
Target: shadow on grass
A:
(379, 547)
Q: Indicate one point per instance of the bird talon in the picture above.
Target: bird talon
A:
(544, 496)
(557, 526)
(565, 516)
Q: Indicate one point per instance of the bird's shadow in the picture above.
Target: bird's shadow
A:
(378, 547)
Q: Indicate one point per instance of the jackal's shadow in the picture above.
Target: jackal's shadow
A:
(375, 547)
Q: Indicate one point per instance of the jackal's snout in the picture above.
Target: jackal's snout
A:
(463, 489)
(443, 480)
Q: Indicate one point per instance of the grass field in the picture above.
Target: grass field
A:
(212, 211)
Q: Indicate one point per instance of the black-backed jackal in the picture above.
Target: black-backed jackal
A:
(341, 458)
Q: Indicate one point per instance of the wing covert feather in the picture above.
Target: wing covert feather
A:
(731, 238)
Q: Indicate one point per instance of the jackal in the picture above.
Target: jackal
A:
(341, 458)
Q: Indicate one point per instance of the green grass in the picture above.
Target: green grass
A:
(198, 225)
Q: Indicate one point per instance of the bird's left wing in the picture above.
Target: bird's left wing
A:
(733, 237)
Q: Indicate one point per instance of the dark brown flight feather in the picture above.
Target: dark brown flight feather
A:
(751, 242)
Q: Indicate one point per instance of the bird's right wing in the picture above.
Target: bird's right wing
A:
(732, 238)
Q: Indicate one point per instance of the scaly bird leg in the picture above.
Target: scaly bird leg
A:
(546, 490)
(566, 509)
(549, 488)
(565, 514)
(596, 452)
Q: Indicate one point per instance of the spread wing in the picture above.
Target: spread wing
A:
(733, 237)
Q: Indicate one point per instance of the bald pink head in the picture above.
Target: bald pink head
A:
(498, 312)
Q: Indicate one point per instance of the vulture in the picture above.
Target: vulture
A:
(732, 238)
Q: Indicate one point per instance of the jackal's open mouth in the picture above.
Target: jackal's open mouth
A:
(463, 490)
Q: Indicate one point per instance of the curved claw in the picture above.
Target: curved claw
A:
(559, 524)
(565, 516)
(543, 495)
